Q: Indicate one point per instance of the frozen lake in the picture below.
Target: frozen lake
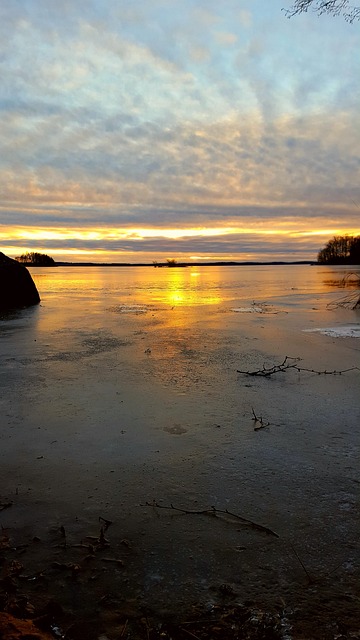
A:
(122, 388)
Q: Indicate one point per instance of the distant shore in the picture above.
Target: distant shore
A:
(183, 264)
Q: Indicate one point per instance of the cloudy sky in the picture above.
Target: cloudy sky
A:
(198, 129)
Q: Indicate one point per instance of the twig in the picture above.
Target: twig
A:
(329, 573)
(115, 560)
(145, 622)
(309, 577)
(5, 505)
(328, 373)
(124, 628)
(107, 523)
(63, 535)
(192, 635)
(276, 368)
(213, 511)
(263, 423)
(290, 363)
(351, 300)
(103, 542)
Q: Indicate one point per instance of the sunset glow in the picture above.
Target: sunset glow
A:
(145, 133)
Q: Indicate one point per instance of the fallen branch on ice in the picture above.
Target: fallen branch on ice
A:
(291, 363)
(212, 511)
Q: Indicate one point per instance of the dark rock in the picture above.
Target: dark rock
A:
(17, 288)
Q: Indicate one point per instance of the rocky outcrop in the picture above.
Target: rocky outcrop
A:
(17, 288)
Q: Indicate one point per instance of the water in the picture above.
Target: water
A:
(193, 286)
(122, 388)
(172, 307)
(80, 295)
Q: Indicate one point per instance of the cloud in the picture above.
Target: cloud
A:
(297, 161)
(131, 115)
(254, 246)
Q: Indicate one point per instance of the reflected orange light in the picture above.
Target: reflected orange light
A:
(181, 291)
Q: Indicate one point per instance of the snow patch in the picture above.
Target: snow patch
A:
(345, 331)
(249, 310)
(129, 308)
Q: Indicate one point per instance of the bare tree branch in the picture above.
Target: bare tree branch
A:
(290, 363)
(332, 7)
(212, 511)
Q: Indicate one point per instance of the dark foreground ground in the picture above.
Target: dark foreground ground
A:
(77, 585)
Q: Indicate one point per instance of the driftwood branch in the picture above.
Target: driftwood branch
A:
(213, 511)
(291, 363)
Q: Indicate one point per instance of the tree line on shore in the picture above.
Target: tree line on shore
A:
(338, 250)
(341, 250)
(34, 259)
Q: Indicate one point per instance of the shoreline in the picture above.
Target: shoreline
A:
(178, 264)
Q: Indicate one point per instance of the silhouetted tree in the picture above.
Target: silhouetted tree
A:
(332, 7)
(36, 259)
(341, 250)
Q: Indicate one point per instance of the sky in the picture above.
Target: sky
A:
(193, 129)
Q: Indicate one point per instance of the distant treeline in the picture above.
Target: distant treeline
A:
(33, 259)
(341, 250)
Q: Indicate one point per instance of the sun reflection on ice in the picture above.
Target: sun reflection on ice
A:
(186, 288)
